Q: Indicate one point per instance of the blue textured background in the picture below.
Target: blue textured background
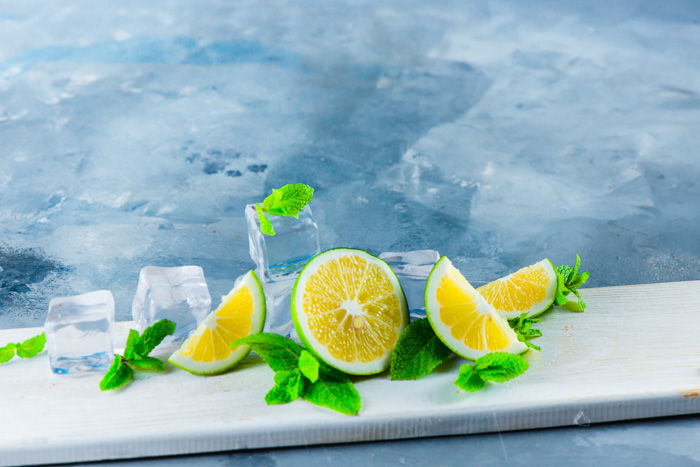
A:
(498, 132)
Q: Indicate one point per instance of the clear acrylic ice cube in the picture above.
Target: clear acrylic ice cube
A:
(280, 256)
(179, 294)
(279, 259)
(79, 333)
(412, 268)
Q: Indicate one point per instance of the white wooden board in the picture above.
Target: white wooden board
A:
(634, 353)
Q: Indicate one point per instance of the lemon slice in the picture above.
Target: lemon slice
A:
(462, 319)
(530, 290)
(349, 309)
(241, 313)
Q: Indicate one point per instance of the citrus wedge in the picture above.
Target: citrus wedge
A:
(349, 309)
(530, 290)
(241, 313)
(462, 319)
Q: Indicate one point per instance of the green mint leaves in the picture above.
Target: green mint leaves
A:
(118, 375)
(299, 374)
(265, 224)
(287, 201)
(418, 352)
(496, 367)
(568, 282)
(522, 325)
(135, 357)
(26, 349)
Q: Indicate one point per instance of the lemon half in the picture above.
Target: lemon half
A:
(349, 309)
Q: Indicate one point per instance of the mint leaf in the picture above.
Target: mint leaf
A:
(118, 375)
(500, 366)
(319, 383)
(522, 325)
(133, 343)
(335, 391)
(154, 335)
(288, 387)
(418, 352)
(136, 356)
(31, 347)
(469, 379)
(146, 364)
(279, 352)
(265, 224)
(569, 279)
(288, 200)
(6, 353)
(308, 365)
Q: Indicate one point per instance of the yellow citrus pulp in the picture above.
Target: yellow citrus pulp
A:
(349, 309)
(462, 318)
(530, 290)
(208, 350)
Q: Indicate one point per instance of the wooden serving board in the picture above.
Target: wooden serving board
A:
(634, 353)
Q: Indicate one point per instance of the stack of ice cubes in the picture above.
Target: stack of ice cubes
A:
(179, 294)
(279, 258)
(79, 333)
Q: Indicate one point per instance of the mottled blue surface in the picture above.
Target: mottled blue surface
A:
(499, 132)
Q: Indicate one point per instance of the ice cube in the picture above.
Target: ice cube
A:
(278, 296)
(179, 294)
(412, 268)
(79, 333)
(415, 257)
(281, 256)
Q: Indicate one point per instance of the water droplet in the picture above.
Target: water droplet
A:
(581, 419)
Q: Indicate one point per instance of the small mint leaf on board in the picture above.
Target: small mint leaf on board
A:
(522, 326)
(418, 352)
(288, 200)
(154, 335)
(265, 224)
(279, 352)
(469, 379)
(335, 391)
(500, 366)
(31, 347)
(288, 387)
(118, 375)
(309, 366)
(147, 364)
(6, 353)
(569, 279)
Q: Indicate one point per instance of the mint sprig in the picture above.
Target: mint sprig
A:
(569, 279)
(495, 366)
(135, 358)
(522, 325)
(288, 201)
(299, 374)
(418, 352)
(25, 349)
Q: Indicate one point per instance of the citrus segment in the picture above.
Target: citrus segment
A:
(529, 290)
(349, 309)
(463, 319)
(241, 313)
